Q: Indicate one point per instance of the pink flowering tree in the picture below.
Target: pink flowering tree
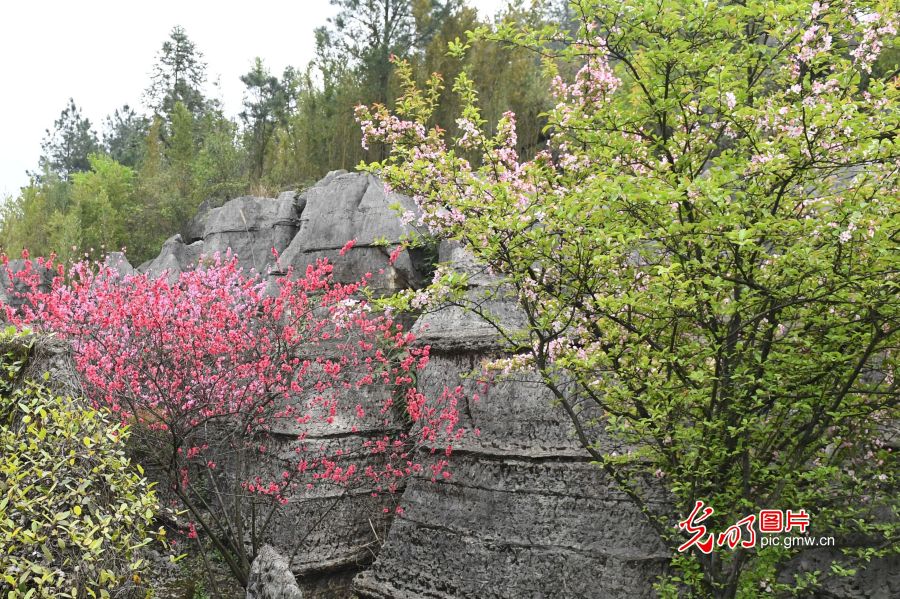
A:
(246, 401)
(706, 259)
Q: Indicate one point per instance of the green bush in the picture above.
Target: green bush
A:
(73, 510)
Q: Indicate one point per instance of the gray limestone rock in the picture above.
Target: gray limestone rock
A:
(354, 206)
(507, 527)
(455, 328)
(878, 578)
(174, 258)
(330, 527)
(196, 227)
(289, 195)
(251, 227)
(271, 578)
(525, 513)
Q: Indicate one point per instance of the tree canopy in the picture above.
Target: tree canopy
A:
(294, 128)
(705, 257)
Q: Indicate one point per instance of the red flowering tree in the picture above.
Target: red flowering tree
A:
(247, 398)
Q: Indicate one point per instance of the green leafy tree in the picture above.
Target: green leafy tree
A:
(102, 205)
(28, 220)
(180, 154)
(319, 134)
(95, 212)
(368, 32)
(705, 259)
(506, 76)
(220, 167)
(155, 196)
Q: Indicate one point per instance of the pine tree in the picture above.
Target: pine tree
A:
(178, 76)
(265, 105)
(124, 135)
(67, 147)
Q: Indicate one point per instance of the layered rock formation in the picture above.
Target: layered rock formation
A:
(344, 207)
(303, 228)
(525, 513)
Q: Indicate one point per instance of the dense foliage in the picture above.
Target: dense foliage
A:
(293, 129)
(73, 509)
(243, 401)
(706, 257)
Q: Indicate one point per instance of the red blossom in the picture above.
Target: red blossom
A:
(214, 348)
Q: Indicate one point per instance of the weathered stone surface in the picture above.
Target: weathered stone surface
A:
(54, 357)
(196, 227)
(508, 527)
(455, 329)
(288, 196)
(330, 530)
(271, 578)
(330, 527)
(251, 227)
(354, 206)
(174, 258)
(524, 514)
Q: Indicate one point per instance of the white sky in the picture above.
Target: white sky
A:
(101, 53)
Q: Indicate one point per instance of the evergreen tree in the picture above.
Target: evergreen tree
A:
(67, 147)
(178, 76)
(124, 135)
(153, 198)
(180, 155)
(220, 167)
(265, 104)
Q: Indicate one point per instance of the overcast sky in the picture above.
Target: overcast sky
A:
(101, 53)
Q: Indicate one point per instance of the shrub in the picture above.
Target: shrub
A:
(73, 510)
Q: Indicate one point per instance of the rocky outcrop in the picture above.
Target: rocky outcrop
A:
(11, 286)
(251, 227)
(303, 228)
(175, 257)
(354, 206)
(879, 579)
(119, 263)
(525, 513)
(330, 529)
(271, 578)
